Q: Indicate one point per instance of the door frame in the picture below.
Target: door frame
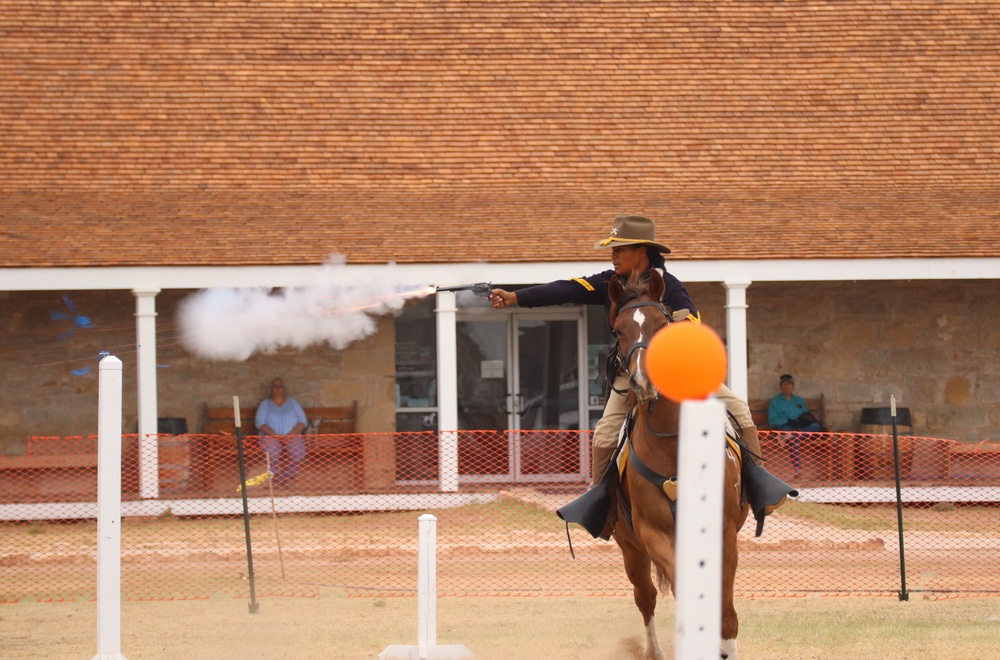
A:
(512, 316)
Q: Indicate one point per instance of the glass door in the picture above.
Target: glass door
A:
(548, 398)
(484, 400)
(519, 396)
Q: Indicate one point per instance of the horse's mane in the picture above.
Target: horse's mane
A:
(635, 288)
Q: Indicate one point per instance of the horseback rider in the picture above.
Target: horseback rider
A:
(634, 249)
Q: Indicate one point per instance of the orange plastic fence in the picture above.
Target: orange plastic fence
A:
(348, 519)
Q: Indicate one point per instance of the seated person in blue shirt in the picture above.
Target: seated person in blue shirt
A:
(280, 420)
(788, 412)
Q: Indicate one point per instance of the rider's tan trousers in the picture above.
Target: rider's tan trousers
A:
(608, 427)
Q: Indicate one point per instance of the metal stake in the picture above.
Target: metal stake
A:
(903, 593)
(253, 605)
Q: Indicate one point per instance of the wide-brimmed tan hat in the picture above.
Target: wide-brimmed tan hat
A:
(632, 230)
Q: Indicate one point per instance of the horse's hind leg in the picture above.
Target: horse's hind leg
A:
(637, 568)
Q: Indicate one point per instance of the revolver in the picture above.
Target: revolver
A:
(479, 288)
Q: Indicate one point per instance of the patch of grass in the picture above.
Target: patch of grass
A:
(844, 517)
(37, 527)
(941, 517)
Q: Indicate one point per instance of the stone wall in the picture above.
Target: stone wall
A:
(935, 345)
(45, 391)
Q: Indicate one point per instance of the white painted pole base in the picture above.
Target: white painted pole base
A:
(445, 652)
(700, 478)
(109, 509)
(427, 647)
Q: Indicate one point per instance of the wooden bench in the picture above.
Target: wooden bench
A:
(44, 452)
(58, 468)
(332, 433)
(833, 469)
(325, 420)
(974, 462)
(46, 461)
(758, 410)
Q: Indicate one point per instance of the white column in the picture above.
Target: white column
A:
(736, 337)
(447, 381)
(145, 331)
(109, 510)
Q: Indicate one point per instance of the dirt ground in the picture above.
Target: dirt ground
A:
(358, 622)
(587, 628)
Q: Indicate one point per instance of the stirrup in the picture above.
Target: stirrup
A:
(589, 510)
(765, 492)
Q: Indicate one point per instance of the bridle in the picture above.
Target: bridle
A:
(624, 364)
(639, 344)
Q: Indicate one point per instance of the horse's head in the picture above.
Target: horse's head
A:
(636, 315)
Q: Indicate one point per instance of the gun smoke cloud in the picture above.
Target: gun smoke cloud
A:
(234, 323)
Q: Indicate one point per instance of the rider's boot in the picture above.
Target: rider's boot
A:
(765, 491)
(601, 458)
(595, 510)
(753, 444)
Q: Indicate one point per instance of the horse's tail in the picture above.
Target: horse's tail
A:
(663, 583)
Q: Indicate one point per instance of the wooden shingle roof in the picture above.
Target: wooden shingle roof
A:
(278, 132)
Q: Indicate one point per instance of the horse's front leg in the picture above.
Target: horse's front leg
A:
(643, 592)
(730, 619)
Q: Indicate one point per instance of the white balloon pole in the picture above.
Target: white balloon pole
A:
(700, 478)
(109, 510)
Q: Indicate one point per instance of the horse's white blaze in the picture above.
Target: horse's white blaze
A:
(640, 374)
(653, 650)
(729, 648)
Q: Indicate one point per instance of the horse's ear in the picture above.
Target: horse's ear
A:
(615, 291)
(656, 285)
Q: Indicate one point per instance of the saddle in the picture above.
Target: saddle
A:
(596, 510)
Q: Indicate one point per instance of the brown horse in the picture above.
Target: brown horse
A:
(645, 527)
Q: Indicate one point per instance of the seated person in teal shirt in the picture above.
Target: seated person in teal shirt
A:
(785, 413)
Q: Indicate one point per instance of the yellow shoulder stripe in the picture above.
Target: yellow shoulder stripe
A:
(584, 283)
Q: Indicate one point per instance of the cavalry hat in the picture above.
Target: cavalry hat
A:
(632, 230)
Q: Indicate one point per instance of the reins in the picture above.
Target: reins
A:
(649, 416)
(640, 344)
(628, 359)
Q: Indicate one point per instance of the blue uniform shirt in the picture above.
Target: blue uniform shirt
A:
(593, 290)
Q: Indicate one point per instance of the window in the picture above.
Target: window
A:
(416, 367)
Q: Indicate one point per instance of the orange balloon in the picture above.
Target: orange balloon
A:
(686, 361)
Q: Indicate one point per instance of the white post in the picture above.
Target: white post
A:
(448, 461)
(145, 331)
(736, 337)
(109, 510)
(427, 647)
(427, 584)
(700, 477)
(447, 378)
